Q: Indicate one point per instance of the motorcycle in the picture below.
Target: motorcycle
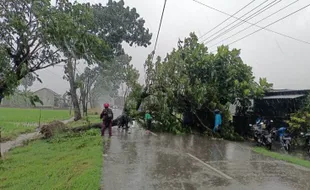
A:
(287, 139)
(307, 136)
(262, 137)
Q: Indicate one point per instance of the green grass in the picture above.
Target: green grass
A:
(69, 161)
(287, 158)
(15, 121)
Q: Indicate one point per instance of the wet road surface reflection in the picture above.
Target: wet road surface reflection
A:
(143, 161)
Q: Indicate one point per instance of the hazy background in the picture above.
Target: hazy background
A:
(283, 61)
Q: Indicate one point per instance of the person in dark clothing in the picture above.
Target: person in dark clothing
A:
(107, 118)
(187, 119)
(123, 121)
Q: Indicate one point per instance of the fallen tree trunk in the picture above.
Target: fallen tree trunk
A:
(93, 126)
(87, 127)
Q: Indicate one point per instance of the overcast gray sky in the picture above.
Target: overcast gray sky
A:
(285, 62)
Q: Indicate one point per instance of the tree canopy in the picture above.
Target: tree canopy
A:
(35, 35)
(27, 81)
(190, 79)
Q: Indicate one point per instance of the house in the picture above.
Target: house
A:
(277, 104)
(49, 98)
(280, 103)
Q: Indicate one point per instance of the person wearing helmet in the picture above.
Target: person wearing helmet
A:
(107, 118)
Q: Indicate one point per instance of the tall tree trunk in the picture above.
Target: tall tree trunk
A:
(1, 93)
(84, 107)
(73, 87)
(83, 100)
(90, 100)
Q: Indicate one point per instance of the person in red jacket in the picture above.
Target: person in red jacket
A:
(107, 118)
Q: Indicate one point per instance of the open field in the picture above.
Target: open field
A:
(15, 121)
(67, 161)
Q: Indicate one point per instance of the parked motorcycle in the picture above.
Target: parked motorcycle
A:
(307, 136)
(262, 137)
(287, 139)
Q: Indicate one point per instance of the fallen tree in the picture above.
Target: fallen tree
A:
(89, 126)
(192, 80)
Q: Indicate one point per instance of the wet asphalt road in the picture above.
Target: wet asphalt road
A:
(145, 161)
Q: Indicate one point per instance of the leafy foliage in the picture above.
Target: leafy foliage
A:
(190, 79)
(126, 25)
(112, 75)
(300, 121)
(27, 81)
(35, 34)
(100, 42)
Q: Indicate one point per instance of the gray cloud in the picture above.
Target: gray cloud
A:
(283, 61)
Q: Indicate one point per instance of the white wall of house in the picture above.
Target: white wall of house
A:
(46, 96)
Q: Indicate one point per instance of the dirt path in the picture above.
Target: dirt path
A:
(6, 146)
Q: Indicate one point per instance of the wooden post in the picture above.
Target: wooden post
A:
(40, 118)
(0, 144)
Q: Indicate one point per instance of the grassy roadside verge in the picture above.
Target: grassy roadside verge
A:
(67, 161)
(286, 158)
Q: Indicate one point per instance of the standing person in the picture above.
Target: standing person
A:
(281, 131)
(148, 120)
(123, 121)
(218, 121)
(107, 118)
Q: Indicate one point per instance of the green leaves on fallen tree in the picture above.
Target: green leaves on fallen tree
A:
(192, 79)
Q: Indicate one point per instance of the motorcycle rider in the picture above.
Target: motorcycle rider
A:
(258, 120)
(107, 118)
(281, 132)
(124, 120)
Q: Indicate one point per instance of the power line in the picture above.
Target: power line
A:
(256, 23)
(302, 8)
(235, 20)
(226, 19)
(273, 3)
(263, 28)
(160, 24)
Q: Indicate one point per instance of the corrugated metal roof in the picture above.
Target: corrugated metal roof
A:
(286, 90)
(284, 96)
(280, 90)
